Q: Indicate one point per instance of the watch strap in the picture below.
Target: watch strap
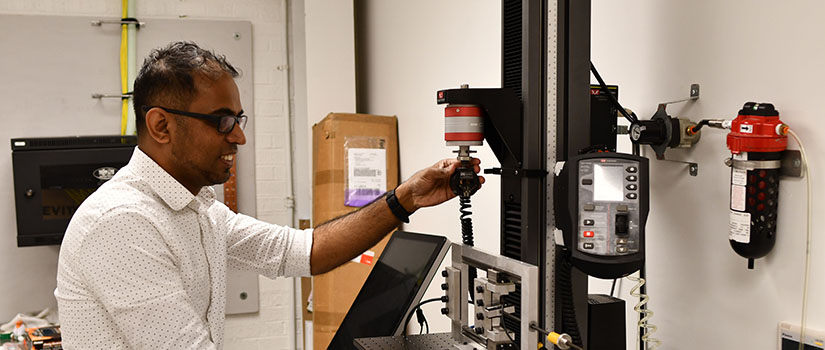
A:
(396, 207)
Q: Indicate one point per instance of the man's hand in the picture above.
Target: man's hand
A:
(431, 186)
(339, 240)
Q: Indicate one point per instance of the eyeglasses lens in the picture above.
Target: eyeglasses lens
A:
(227, 123)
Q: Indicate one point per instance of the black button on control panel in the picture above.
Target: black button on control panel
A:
(589, 222)
(587, 181)
(588, 246)
(631, 196)
(631, 178)
(622, 225)
(631, 169)
(589, 207)
(632, 187)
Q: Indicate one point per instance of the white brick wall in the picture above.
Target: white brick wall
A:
(272, 326)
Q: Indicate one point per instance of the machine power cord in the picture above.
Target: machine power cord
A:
(632, 119)
(569, 324)
(415, 309)
(649, 328)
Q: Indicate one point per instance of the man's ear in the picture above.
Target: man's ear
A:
(157, 125)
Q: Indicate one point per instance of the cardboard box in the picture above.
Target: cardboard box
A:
(336, 136)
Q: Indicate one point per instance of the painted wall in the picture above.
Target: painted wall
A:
(408, 51)
(273, 326)
(766, 51)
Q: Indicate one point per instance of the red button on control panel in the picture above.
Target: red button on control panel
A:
(587, 234)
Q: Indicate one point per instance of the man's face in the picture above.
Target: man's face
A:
(203, 156)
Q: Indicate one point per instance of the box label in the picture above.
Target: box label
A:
(366, 175)
(365, 258)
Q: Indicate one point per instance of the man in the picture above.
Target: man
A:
(143, 261)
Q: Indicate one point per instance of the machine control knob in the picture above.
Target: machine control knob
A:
(444, 273)
(445, 310)
(479, 330)
(480, 302)
(444, 286)
(480, 316)
(479, 289)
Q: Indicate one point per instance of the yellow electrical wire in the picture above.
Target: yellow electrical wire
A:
(124, 71)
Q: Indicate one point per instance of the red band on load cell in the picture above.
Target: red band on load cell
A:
(463, 136)
(462, 111)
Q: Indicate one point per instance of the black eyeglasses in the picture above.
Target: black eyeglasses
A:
(225, 123)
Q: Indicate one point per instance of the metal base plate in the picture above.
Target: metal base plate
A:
(415, 342)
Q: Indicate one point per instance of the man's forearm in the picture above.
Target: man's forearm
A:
(341, 239)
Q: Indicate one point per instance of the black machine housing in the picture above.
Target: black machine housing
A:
(517, 131)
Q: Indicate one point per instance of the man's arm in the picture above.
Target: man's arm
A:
(341, 239)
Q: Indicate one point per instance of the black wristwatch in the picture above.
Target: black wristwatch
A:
(396, 207)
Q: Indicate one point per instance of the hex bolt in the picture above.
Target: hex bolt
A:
(443, 286)
(445, 310)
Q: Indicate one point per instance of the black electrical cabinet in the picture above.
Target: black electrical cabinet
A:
(54, 175)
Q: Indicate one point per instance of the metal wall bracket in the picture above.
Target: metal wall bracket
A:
(100, 22)
(694, 95)
(693, 168)
(790, 164)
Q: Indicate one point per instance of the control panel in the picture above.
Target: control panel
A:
(601, 207)
(609, 202)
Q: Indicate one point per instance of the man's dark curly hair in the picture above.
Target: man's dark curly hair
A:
(167, 77)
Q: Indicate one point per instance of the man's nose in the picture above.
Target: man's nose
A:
(236, 136)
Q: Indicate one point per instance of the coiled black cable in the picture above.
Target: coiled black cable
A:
(569, 324)
(467, 236)
(466, 221)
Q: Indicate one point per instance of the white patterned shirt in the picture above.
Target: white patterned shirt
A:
(143, 262)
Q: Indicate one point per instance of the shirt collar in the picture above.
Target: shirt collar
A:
(167, 187)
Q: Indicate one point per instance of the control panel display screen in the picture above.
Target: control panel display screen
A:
(608, 183)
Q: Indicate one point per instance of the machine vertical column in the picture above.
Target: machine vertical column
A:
(573, 117)
(551, 112)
